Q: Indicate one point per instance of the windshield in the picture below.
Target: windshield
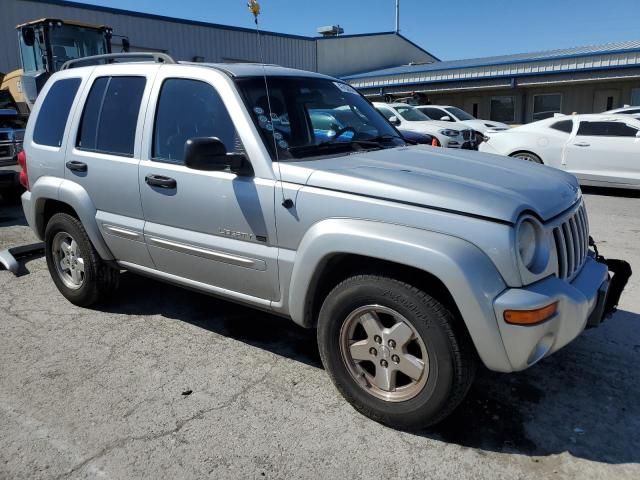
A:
(69, 42)
(307, 117)
(460, 114)
(412, 114)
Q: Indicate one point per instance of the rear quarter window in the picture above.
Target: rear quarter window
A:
(54, 112)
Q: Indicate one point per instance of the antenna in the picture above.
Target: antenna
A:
(397, 16)
(254, 7)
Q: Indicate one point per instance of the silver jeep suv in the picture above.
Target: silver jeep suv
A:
(413, 263)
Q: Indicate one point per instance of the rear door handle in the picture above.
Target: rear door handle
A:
(77, 166)
(582, 144)
(160, 181)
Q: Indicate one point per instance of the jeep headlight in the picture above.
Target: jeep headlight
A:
(532, 245)
(450, 133)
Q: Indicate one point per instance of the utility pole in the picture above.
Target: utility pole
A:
(397, 16)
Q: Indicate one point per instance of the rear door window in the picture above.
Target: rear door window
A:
(110, 115)
(54, 112)
(435, 113)
(606, 129)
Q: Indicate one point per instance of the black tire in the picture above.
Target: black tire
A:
(527, 157)
(451, 357)
(100, 280)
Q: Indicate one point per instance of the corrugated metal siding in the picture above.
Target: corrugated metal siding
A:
(567, 54)
(439, 74)
(181, 40)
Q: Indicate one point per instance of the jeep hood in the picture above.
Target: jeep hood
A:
(467, 182)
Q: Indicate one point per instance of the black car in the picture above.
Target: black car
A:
(420, 138)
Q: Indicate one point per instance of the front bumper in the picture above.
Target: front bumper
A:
(581, 303)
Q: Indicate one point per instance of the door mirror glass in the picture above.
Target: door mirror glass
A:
(445, 118)
(209, 154)
(28, 36)
(394, 120)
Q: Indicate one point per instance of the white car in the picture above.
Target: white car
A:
(406, 117)
(600, 149)
(627, 110)
(448, 113)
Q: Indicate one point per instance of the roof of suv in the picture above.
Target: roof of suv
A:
(258, 69)
(237, 70)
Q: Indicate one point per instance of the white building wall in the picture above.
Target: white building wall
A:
(355, 54)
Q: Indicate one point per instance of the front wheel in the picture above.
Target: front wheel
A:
(394, 352)
(528, 157)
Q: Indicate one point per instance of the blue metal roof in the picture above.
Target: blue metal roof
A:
(592, 50)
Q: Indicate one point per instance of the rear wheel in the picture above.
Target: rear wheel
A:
(527, 156)
(75, 266)
(394, 352)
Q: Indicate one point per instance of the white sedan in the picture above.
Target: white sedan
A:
(448, 113)
(406, 117)
(601, 150)
(628, 110)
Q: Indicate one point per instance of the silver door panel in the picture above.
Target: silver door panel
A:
(236, 265)
(125, 238)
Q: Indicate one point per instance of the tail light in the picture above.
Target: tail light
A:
(24, 174)
(435, 142)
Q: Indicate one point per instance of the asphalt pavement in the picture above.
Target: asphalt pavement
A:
(168, 383)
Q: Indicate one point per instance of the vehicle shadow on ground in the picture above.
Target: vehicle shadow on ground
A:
(611, 192)
(11, 213)
(496, 415)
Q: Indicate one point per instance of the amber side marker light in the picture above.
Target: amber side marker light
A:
(530, 317)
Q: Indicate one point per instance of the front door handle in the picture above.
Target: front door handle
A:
(160, 181)
(77, 166)
(582, 144)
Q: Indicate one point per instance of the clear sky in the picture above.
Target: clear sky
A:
(450, 29)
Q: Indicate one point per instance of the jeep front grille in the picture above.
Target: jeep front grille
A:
(572, 243)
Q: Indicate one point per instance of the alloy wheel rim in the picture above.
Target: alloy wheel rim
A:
(68, 260)
(527, 157)
(384, 353)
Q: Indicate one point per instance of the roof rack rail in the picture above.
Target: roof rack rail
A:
(113, 57)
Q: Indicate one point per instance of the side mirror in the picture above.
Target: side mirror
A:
(28, 36)
(126, 46)
(445, 118)
(209, 154)
(394, 120)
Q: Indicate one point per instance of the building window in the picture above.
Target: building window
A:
(609, 103)
(545, 106)
(503, 109)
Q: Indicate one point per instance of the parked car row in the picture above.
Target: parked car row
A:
(407, 117)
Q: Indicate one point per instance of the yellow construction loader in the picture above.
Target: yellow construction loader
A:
(45, 45)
